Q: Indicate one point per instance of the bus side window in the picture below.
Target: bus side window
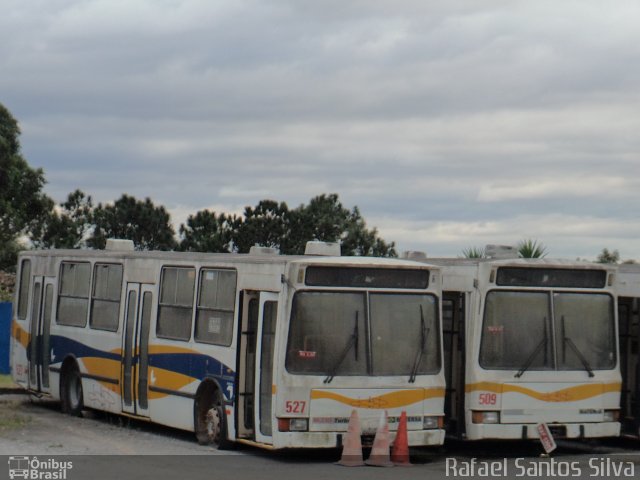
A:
(105, 300)
(23, 291)
(73, 295)
(216, 302)
(176, 303)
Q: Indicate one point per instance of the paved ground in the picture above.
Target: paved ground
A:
(110, 447)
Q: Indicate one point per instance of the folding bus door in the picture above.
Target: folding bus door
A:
(629, 338)
(264, 387)
(453, 321)
(255, 374)
(39, 350)
(135, 349)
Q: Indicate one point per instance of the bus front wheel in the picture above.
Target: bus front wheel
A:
(71, 391)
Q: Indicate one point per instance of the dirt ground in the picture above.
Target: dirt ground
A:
(36, 427)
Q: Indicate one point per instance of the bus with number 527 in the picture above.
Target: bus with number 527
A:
(262, 348)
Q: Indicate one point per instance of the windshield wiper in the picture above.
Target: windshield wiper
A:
(424, 334)
(576, 350)
(353, 341)
(535, 352)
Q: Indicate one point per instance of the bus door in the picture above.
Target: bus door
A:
(255, 375)
(40, 328)
(135, 349)
(629, 335)
(453, 310)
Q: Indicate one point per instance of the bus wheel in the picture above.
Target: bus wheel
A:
(71, 391)
(211, 425)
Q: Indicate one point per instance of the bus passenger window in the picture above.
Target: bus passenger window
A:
(105, 303)
(216, 302)
(176, 303)
(73, 294)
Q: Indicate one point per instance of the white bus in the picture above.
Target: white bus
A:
(628, 289)
(529, 342)
(264, 349)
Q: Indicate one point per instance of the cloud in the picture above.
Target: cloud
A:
(449, 124)
(563, 235)
(544, 188)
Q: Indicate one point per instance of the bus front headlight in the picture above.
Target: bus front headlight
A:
(429, 423)
(486, 417)
(293, 424)
(611, 415)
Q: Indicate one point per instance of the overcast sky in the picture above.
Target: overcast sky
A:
(450, 124)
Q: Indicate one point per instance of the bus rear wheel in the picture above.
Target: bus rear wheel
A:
(71, 392)
(211, 425)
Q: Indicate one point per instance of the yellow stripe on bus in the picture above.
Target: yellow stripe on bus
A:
(569, 394)
(21, 335)
(104, 367)
(156, 349)
(397, 399)
(161, 378)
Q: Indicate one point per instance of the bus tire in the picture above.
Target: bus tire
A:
(211, 422)
(71, 391)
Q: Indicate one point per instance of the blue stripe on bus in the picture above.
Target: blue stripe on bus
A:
(62, 346)
(194, 365)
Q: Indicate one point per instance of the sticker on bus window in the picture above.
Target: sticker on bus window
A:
(495, 329)
(215, 325)
(306, 354)
(210, 276)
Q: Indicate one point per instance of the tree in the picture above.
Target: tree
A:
(608, 257)
(323, 219)
(273, 224)
(359, 240)
(141, 221)
(23, 205)
(68, 227)
(265, 225)
(207, 232)
(529, 248)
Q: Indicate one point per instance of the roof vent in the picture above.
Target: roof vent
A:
(498, 252)
(329, 249)
(414, 255)
(119, 245)
(259, 250)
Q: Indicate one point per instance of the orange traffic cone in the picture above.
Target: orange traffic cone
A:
(380, 451)
(400, 450)
(352, 446)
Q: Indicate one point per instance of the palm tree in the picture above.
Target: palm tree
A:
(474, 252)
(529, 248)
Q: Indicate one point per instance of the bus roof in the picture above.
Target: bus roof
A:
(223, 257)
(520, 262)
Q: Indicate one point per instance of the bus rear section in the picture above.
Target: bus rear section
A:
(628, 290)
(536, 342)
(364, 338)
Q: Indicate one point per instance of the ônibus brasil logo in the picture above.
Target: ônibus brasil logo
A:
(33, 469)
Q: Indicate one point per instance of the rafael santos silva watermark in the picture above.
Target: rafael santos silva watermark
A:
(600, 467)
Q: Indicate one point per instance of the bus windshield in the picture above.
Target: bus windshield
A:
(548, 331)
(361, 333)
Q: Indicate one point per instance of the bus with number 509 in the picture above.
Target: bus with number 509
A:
(527, 342)
(262, 348)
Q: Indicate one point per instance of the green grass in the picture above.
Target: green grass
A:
(6, 381)
(10, 418)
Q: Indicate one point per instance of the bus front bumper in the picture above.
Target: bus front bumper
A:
(416, 438)
(529, 431)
